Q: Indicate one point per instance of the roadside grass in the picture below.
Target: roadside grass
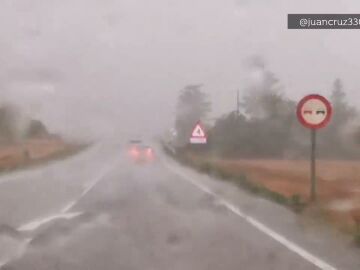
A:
(357, 231)
(357, 239)
(295, 202)
(356, 218)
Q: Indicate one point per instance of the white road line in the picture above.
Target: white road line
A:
(321, 264)
(68, 206)
(33, 225)
(21, 250)
(101, 176)
(64, 213)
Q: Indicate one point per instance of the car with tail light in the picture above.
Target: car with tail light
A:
(141, 153)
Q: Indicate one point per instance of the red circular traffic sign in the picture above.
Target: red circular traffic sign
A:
(314, 111)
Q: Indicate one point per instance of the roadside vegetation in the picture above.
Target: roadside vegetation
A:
(26, 142)
(261, 147)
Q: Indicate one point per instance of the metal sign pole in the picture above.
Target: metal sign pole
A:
(313, 165)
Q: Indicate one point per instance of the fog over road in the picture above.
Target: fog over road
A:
(97, 210)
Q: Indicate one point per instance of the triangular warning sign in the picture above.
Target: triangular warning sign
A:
(198, 132)
(198, 135)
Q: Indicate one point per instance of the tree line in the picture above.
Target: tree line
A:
(15, 127)
(266, 125)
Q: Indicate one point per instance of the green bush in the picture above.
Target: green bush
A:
(242, 178)
(357, 238)
(205, 167)
(297, 203)
(36, 129)
(223, 174)
(250, 186)
(279, 198)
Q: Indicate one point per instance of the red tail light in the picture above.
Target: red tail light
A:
(149, 153)
(134, 152)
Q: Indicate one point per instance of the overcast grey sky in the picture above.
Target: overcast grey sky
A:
(102, 66)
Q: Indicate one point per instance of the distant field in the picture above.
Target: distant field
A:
(338, 182)
(31, 152)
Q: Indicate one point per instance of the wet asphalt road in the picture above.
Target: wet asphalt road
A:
(97, 210)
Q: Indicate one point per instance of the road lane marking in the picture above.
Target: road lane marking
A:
(64, 212)
(33, 225)
(68, 206)
(321, 264)
(92, 184)
(20, 251)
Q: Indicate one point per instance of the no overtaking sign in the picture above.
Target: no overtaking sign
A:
(314, 112)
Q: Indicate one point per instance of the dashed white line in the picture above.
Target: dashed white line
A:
(64, 212)
(71, 204)
(321, 264)
(32, 225)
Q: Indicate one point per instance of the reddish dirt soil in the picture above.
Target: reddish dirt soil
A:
(13, 156)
